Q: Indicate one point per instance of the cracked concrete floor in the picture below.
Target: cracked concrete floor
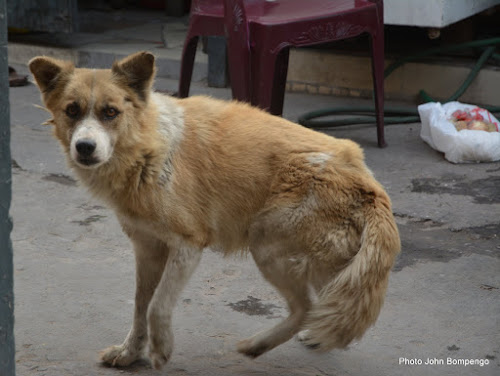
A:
(74, 271)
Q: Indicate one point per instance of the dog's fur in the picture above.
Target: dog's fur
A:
(187, 174)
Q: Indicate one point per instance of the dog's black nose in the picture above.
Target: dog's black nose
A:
(85, 147)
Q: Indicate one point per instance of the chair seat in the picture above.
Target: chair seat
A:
(289, 11)
(259, 34)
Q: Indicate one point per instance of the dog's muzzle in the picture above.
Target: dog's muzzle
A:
(91, 144)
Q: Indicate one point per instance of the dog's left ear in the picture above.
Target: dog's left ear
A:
(137, 72)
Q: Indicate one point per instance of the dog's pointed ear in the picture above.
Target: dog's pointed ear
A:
(48, 71)
(137, 72)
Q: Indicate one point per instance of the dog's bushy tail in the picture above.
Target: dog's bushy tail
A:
(351, 302)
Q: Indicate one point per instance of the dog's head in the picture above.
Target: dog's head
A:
(93, 108)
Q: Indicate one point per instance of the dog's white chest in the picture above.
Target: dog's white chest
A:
(155, 230)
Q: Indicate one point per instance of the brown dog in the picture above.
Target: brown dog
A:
(187, 174)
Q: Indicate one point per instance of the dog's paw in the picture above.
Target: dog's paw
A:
(159, 357)
(304, 338)
(118, 356)
(303, 335)
(161, 342)
(251, 347)
(158, 360)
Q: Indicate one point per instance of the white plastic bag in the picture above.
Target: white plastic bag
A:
(458, 146)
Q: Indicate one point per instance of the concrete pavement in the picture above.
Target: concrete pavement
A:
(74, 269)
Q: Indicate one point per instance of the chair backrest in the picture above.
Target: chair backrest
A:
(207, 7)
(235, 18)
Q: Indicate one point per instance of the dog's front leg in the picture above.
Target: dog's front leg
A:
(181, 263)
(150, 256)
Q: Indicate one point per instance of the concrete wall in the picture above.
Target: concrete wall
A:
(324, 72)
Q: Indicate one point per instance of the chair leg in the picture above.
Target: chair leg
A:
(238, 55)
(279, 85)
(377, 47)
(239, 71)
(187, 64)
(264, 79)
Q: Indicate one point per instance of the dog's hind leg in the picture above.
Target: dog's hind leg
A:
(181, 263)
(278, 270)
(150, 256)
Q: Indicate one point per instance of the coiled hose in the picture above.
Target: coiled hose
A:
(406, 114)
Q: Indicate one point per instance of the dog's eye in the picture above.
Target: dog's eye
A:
(110, 113)
(73, 110)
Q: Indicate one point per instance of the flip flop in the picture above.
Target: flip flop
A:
(15, 79)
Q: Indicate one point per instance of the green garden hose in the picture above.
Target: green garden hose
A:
(406, 114)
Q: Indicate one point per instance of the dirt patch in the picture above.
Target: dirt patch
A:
(61, 179)
(483, 191)
(87, 221)
(486, 232)
(409, 257)
(253, 307)
(88, 207)
(423, 243)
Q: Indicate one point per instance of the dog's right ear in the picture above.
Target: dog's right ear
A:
(48, 71)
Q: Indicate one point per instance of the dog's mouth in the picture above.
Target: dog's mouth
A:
(88, 162)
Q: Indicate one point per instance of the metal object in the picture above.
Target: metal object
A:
(7, 348)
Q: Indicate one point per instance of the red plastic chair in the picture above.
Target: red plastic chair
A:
(260, 32)
(206, 18)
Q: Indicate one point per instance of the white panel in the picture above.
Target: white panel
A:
(432, 13)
